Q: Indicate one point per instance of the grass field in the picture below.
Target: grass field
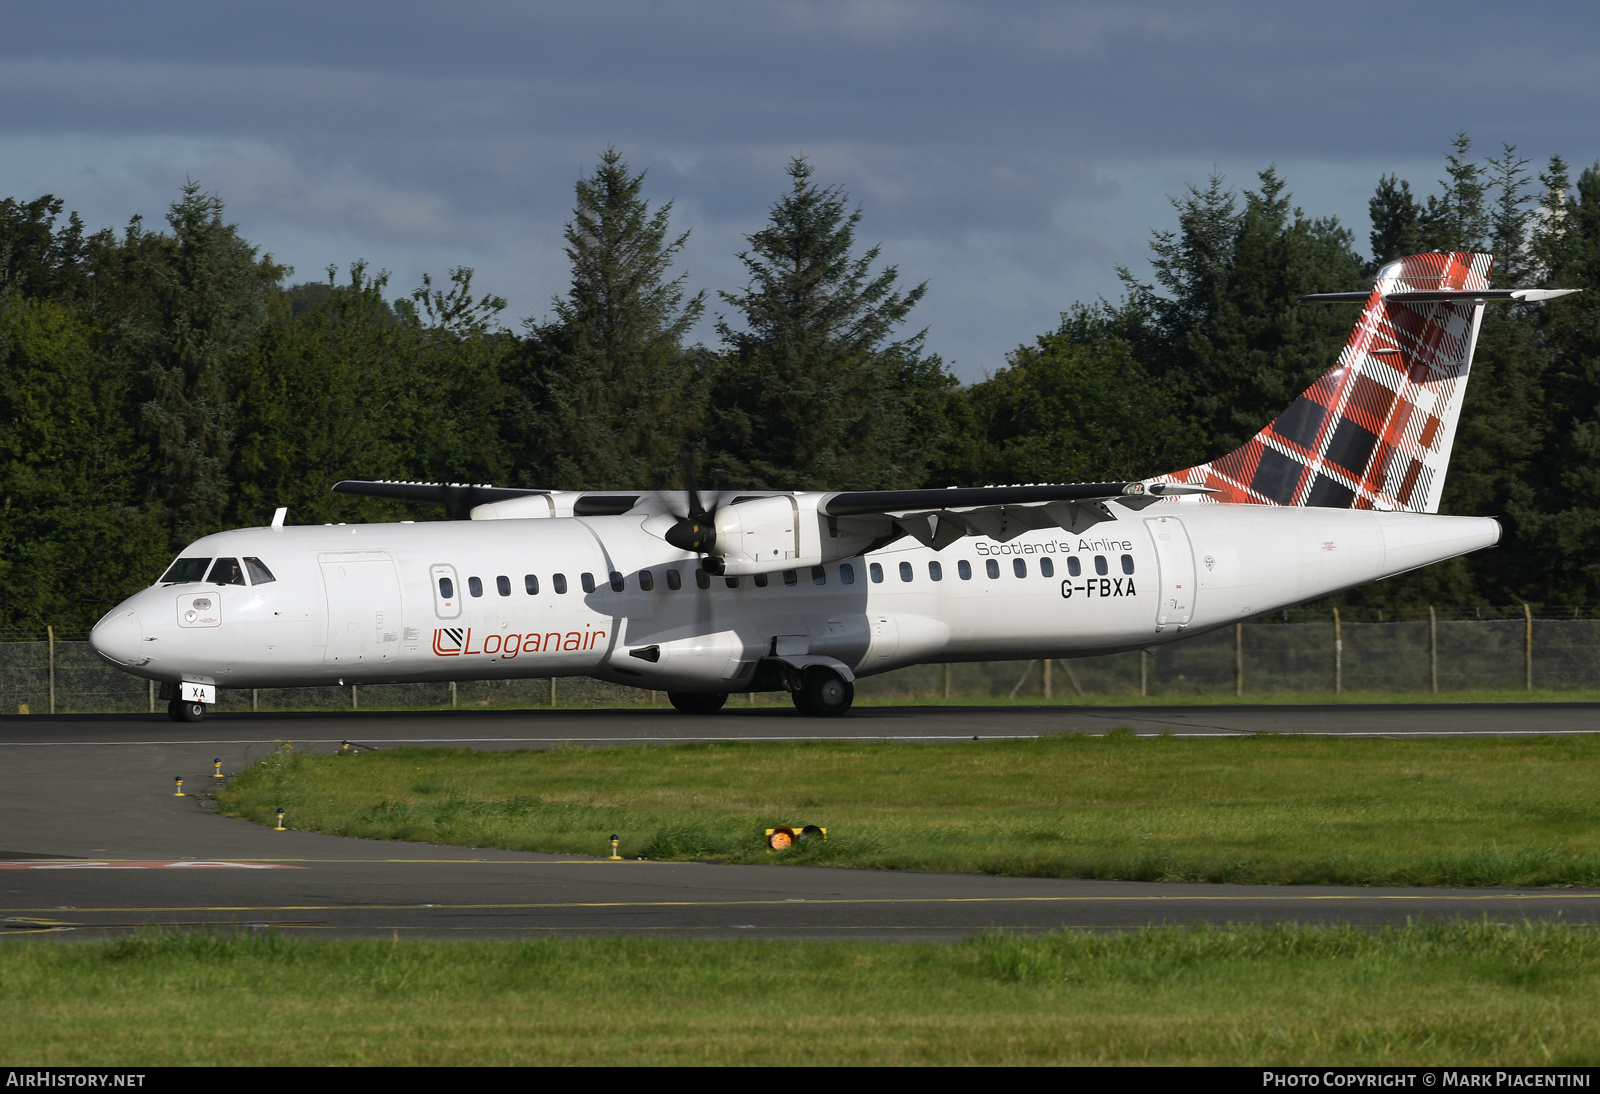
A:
(1510, 811)
(1460, 994)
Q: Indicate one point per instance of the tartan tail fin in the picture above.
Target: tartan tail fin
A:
(1375, 431)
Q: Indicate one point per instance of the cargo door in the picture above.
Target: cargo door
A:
(363, 608)
(1175, 558)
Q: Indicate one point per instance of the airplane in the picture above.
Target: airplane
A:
(805, 592)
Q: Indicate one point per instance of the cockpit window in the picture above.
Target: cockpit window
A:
(259, 574)
(226, 571)
(186, 569)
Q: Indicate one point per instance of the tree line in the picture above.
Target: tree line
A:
(160, 384)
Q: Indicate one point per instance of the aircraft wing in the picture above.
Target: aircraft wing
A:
(458, 498)
(937, 518)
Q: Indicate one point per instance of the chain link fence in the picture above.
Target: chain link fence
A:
(1295, 652)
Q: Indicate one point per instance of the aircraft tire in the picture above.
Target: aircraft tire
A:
(697, 702)
(185, 712)
(825, 694)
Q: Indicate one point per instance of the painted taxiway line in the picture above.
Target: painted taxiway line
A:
(864, 738)
(1476, 898)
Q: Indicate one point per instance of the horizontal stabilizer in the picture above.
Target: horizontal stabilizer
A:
(1443, 296)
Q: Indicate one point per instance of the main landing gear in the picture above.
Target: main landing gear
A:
(823, 693)
(180, 710)
(697, 702)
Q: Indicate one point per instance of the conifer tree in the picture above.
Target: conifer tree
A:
(815, 391)
(608, 391)
(206, 302)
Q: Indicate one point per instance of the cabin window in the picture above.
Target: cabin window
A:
(1074, 568)
(616, 582)
(876, 572)
(674, 580)
(647, 580)
(587, 581)
(260, 575)
(790, 577)
(702, 580)
(847, 574)
(964, 569)
(558, 582)
(1127, 564)
(186, 569)
(935, 571)
(991, 567)
(733, 582)
(819, 576)
(502, 585)
(1019, 566)
(1100, 566)
(1047, 566)
(760, 580)
(905, 571)
(475, 586)
(531, 584)
(226, 571)
(447, 589)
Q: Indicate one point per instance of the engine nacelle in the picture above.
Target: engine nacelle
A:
(785, 532)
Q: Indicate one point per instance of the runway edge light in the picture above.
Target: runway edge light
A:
(614, 841)
(783, 837)
(280, 827)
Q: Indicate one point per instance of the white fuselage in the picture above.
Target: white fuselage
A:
(357, 604)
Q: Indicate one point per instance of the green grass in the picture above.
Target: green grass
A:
(1456, 994)
(1302, 810)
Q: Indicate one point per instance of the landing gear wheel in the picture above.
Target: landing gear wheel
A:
(824, 694)
(181, 711)
(697, 702)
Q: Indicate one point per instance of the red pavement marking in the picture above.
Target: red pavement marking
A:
(153, 864)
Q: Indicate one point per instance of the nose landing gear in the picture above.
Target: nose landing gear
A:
(180, 710)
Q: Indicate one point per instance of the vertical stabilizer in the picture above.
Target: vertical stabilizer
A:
(1375, 432)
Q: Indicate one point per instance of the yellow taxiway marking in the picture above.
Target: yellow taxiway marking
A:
(832, 901)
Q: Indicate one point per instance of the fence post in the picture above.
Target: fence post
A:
(1238, 659)
(50, 632)
(1144, 673)
(1338, 655)
(355, 698)
(1527, 613)
(152, 697)
(947, 680)
(1072, 678)
(552, 691)
(1433, 650)
(255, 698)
(1047, 678)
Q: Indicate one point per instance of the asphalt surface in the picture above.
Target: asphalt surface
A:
(93, 840)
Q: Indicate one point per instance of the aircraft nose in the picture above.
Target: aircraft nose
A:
(119, 638)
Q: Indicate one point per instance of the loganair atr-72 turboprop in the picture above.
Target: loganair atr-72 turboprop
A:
(768, 590)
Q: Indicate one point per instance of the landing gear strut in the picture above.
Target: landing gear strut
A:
(181, 711)
(697, 702)
(823, 693)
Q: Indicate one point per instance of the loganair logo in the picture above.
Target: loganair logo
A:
(456, 642)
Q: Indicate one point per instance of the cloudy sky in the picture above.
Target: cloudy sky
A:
(1011, 155)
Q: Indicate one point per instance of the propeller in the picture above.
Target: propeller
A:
(696, 530)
